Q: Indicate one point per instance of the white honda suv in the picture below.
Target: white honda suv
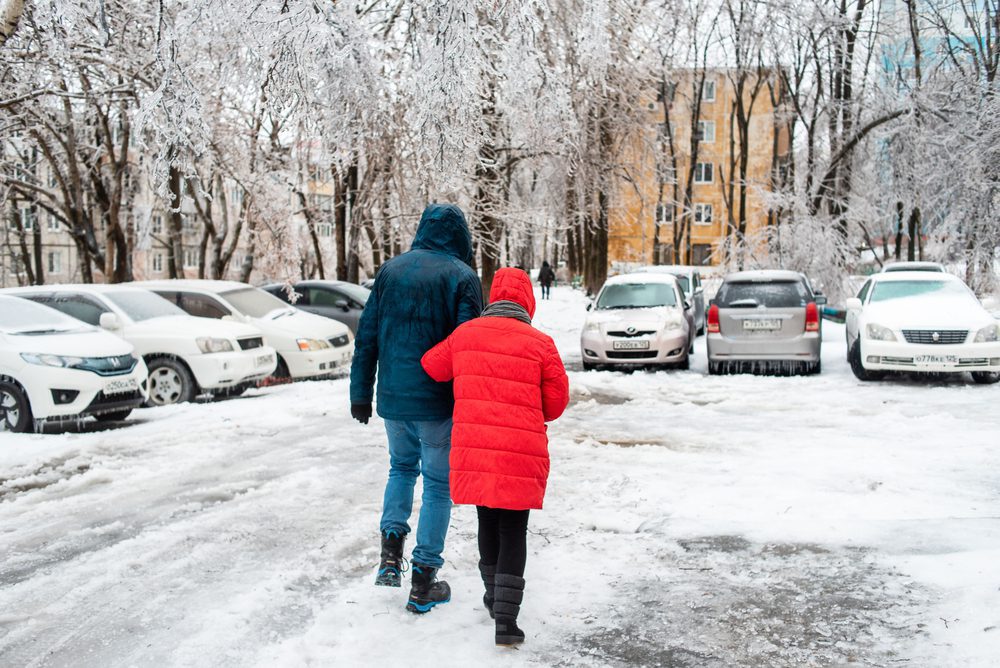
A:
(186, 356)
(53, 367)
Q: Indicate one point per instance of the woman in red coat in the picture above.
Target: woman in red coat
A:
(509, 381)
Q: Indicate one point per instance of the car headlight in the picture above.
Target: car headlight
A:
(592, 326)
(208, 344)
(43, 359)
(312, 344)
(988, 334)
(879, 333)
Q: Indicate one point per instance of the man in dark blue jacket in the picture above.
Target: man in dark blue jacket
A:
(418, 299)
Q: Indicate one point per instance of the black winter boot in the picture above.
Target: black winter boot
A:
(488, 571)
(391, 568)
(508, 592)
(426, 591)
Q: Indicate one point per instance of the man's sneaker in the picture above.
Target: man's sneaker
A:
(426, 591)
(390, 570)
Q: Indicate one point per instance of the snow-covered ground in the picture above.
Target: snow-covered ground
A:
(690, 521)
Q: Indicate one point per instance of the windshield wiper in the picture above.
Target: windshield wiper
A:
(36, 332)
(282, 314)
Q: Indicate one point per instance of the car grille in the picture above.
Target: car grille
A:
(103, 403)
(339, 341)
(631, 335)
(251, 343)
(108, 366)
(973, 361)
(944, 336)
(631, 354)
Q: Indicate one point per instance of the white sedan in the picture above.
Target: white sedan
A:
(186, 356)
(53, 367)
(921, 321)
(308, 345)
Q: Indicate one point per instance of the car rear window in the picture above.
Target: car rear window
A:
(772, 294)
(637, 295)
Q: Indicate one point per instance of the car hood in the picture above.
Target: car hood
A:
(80, 343)
(300, 325)
(928, 313)
(189, 325)
(640, 318)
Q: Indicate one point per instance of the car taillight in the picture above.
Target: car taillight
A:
(812, 317)
(713, 319)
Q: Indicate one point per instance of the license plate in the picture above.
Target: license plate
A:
(759, 324)
(630, 345)
(937, 359)
(121, 386)
(264, 360)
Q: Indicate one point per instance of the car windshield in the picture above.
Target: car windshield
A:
(889, 290)
(774, 294)
(21, 316)
(355, 292)
(254, 303)
(140, 305)
(637, 295)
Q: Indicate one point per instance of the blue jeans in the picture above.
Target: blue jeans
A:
(419, 448)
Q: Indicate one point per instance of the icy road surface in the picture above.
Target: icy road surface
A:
(690, 521)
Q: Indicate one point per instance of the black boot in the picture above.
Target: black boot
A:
(426, 591)
(488, 571)
(391, 568)
(508, 592)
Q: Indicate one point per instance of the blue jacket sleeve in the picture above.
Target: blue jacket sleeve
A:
(470, 298)
(365, 361)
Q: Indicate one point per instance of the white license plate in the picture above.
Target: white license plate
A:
(937, 359)
(760, 324)
(630, 345)
(121, 386)
(264, 360)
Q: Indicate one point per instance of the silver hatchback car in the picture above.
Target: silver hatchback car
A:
(638, 320)
(765, 321)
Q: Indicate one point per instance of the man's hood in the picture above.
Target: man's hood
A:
(443, 228)
(513, 285)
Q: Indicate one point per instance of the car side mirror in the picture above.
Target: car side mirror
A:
(820, 299)
(687, 305)
(590, 306)
(853, 304)
(342, 305)
(110, 321)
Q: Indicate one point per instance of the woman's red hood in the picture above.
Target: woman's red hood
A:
(513, 285)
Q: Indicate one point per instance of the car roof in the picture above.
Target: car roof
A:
(913, 266)
(916, 276)
(642, 277)
(763, 276)
(669, 269)
(203, 285)
(95, 288)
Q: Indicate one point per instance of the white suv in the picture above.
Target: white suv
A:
(53, 367)
(308, 345)
(186, 356)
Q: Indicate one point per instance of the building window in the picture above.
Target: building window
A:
(52, 223)
(701, 254)
(158, 263)
(28, 217)
(324, 229)
(190, 257)
(708, 91)
(664, 214)
(666, 254)
(53, 180)
(703, 214)
(55, 262)
(187, 221)
(703, 172)
(706, 132)
(157, 225)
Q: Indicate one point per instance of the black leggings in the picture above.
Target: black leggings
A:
(503, 539)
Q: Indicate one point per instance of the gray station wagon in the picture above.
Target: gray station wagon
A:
(765, 322)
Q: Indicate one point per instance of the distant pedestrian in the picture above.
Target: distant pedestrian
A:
(546, 276)
(509, 381)
(418, 299)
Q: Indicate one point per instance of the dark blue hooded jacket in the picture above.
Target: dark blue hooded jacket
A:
(418, 299)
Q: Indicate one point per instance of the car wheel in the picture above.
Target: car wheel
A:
(854, 357)
(685, 364)
(170, 382)
(816, 368)
(985, 377)
(587, 366)
(700, 331)
(114, 416)
(714, 368)
(15, 411)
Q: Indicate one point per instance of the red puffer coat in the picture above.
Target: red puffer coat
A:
(509, 381)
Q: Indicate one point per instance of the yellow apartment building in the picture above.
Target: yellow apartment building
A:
(665, 212)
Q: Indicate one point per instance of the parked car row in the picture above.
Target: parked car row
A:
(72, 351)
(909, 317)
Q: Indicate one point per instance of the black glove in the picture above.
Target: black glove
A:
(361, 412)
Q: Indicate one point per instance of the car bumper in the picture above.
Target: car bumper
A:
(215, 371)
(930, 358)
(313, 363)
(804, 348)
(668, 347)
(49, 387)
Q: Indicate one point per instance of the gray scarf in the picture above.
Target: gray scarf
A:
(507, 309)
